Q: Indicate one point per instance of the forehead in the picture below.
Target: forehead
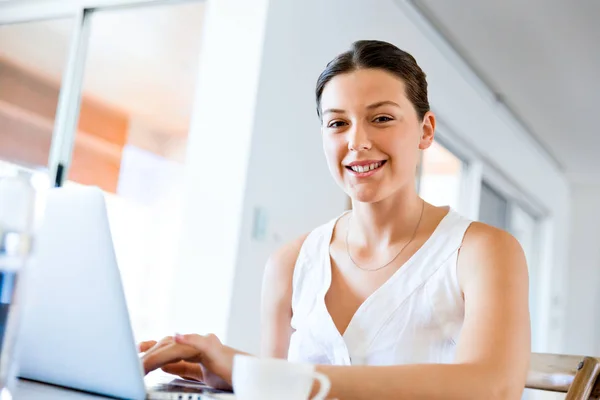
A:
(362, 87)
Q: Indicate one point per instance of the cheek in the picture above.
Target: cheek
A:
(335, 151)
(405, 143)
(404, 151)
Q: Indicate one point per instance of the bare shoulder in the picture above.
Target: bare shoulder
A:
(280, 264)
(286, 256)
(491, 251)
(484, 239)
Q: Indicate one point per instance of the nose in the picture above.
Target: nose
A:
(358, 139)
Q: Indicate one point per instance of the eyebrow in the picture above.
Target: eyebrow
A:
(369, 107)
(334, 110)
(382, 103)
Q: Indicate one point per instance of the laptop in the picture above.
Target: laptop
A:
(75, 330)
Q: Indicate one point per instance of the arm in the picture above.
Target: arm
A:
(206, 358)
(276, 312)
(493, 351)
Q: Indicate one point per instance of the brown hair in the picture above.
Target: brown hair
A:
(380, 55)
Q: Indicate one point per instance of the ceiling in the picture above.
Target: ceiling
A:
(542, 57)
(142, 61)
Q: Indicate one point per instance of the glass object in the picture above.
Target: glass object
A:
(440, 176)
(137, 94)
(30, 80)
(17, 213)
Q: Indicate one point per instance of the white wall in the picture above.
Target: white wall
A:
(583, 320)
(289, 180)
(219, 145)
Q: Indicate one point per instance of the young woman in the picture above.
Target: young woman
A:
(396, 299)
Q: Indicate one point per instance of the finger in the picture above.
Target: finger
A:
(185, 370)
(147, 345)
(177, 368)
(167, 339)
(160, 344)
(201, 343)
(168, 354)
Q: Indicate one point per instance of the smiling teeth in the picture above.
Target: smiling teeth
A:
(366, 168)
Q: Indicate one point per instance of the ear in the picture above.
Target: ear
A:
(427, 131)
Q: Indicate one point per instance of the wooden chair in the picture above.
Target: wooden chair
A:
(577, 376)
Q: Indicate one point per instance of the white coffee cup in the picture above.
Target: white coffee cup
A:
(275, 379)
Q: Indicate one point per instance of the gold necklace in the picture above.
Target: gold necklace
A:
(396, 256)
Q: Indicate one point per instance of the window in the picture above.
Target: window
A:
(138, 87)
(440, 176)
(493, 207)
(30, 81)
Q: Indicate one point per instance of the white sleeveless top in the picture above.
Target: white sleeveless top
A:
(414, 317)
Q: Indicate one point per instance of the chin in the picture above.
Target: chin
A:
(366, 196)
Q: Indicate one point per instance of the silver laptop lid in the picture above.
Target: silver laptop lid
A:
(76, 330)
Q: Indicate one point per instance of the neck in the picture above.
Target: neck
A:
(388, 221)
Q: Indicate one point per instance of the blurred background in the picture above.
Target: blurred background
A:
(135, 104)
(197, 119)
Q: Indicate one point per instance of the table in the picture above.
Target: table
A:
(27, 390)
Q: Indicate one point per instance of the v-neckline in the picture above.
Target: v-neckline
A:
(395, 276)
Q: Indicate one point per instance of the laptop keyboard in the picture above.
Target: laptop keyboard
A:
(182, 390)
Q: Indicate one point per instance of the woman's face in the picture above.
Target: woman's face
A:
(372, 134)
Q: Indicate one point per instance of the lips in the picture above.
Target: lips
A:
(365, 168)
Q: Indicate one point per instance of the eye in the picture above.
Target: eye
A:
(383, 119)
(336, 124)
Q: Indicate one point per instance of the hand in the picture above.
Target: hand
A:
(213, 358)
(183, 369)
